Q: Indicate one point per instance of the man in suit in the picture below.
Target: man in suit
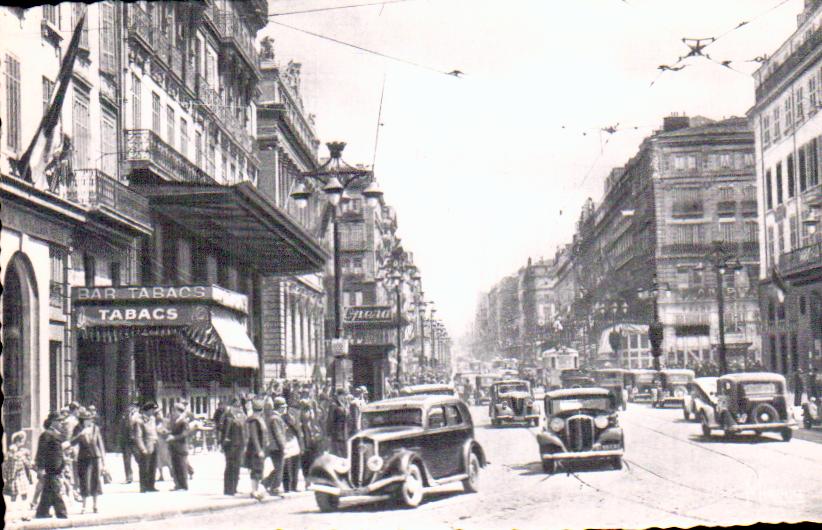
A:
(50, 463)
(233, 439)
(338, 423)
(178, 446)
(145, 438)
(126, 439)
(276, 448)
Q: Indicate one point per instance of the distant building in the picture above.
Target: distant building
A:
(788, 129)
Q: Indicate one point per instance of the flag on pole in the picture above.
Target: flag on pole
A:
(32, 164)
(779, 284)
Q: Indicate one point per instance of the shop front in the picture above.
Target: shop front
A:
(372, 332)
(161, 343)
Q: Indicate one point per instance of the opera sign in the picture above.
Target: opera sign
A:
(160, 315)
(368, 314)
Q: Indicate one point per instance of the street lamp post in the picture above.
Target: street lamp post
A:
(656, 329)
(722, 262)
(336, 177)
(421, 304)
(399, 271)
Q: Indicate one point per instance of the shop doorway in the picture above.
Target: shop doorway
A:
(20, 345)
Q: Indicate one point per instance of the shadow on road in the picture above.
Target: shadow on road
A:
(735, 439)
(506, 426)
(581, 466)
(383, 504)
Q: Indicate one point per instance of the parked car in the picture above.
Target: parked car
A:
(640, 385)
(701, 394)
(671, 386)
(613, 379)
(407, 446)
(750, 402)
(512, 402)
(811, 413)
(432, 389)
(581, 424)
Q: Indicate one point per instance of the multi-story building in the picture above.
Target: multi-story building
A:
(788, 128)
(538, 307)
(689, 188)
(293, 308)
(136, 273)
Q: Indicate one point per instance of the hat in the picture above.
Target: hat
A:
(51, 418)
(280, 402)
(257, 404)
(149, 406)
(19, 435)
(86, 415)
(74, 405)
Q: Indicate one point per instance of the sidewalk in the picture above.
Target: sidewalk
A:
(123, 503)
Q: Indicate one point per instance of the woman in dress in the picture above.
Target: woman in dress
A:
(91, 454)
(18, 480)
(163, 452)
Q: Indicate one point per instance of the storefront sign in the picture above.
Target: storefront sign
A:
(164, 293)
(140, 315)
(368, 314)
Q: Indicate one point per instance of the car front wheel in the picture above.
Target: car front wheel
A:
(549, 466)
(787, 434)
(686, 414)
(471, 483)
(616, 462)
(706, 428)
(411, 490)
(326, 502)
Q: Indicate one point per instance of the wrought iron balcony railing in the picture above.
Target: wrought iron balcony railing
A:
(145, 150)
(802, 259)
(139, 24)
(95, 189)
(234, 32)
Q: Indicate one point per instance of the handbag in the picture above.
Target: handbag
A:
(292, 448)
(106, 476)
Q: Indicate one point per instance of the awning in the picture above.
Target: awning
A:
(215, 334)
(242, 222)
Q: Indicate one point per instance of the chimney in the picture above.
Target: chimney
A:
(675, 122)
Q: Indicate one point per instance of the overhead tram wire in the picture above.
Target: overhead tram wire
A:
(379, 124)
(333, 8)
(360, 48)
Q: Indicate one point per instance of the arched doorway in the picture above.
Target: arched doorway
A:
(20, 344)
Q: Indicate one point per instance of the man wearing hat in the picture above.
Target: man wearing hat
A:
(145, 438)
(232, 440)
(255, 448)
(276, 446)
(50, 464)
(338, 423)
(178, 446)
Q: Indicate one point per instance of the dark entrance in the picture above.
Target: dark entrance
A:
(368, 364)
(19, 346)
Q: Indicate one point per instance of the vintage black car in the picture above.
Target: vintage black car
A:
(613, 379)
(574, 378)
(671, 386)
(640, 385)
(407, 445)
(512, 402)
(581, 423)
(750, 402)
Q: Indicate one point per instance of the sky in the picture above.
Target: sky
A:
(493, 167)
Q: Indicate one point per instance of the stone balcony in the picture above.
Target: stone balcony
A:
(801, 260)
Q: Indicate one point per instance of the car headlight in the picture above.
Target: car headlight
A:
(342, 466)
(374, 463)
(557, 424)
(601, 422)
(741, 417)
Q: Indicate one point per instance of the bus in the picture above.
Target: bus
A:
(554, 361)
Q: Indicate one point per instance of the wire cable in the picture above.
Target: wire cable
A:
(360, 48)
(332, 8)
(379, 124)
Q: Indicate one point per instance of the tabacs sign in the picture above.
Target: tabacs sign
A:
(130, 315)
(369, 314)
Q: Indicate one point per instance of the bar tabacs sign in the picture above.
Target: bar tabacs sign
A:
(88, 316)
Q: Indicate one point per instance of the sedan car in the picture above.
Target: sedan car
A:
(701, 394)
(512, 402)
(407, 446)
(581, 424)
(750, 402)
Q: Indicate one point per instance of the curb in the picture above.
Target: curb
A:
(133, 518)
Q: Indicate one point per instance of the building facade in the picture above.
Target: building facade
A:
(788, 130)
(135, 257)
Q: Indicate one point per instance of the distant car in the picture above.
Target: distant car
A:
(407, 446)
(613, 379)
(433, 389)
(512, 402)
(640, 385)
(701, 394)
(581, 424)
(750, 402)
(671, 386)
(575, 378)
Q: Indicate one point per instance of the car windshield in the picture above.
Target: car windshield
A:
(579, 403)
(759, 389)
(512, 387)
(384, 418)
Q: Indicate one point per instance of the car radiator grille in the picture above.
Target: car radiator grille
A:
(361, 450)
(580, 433)
(518, 406)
